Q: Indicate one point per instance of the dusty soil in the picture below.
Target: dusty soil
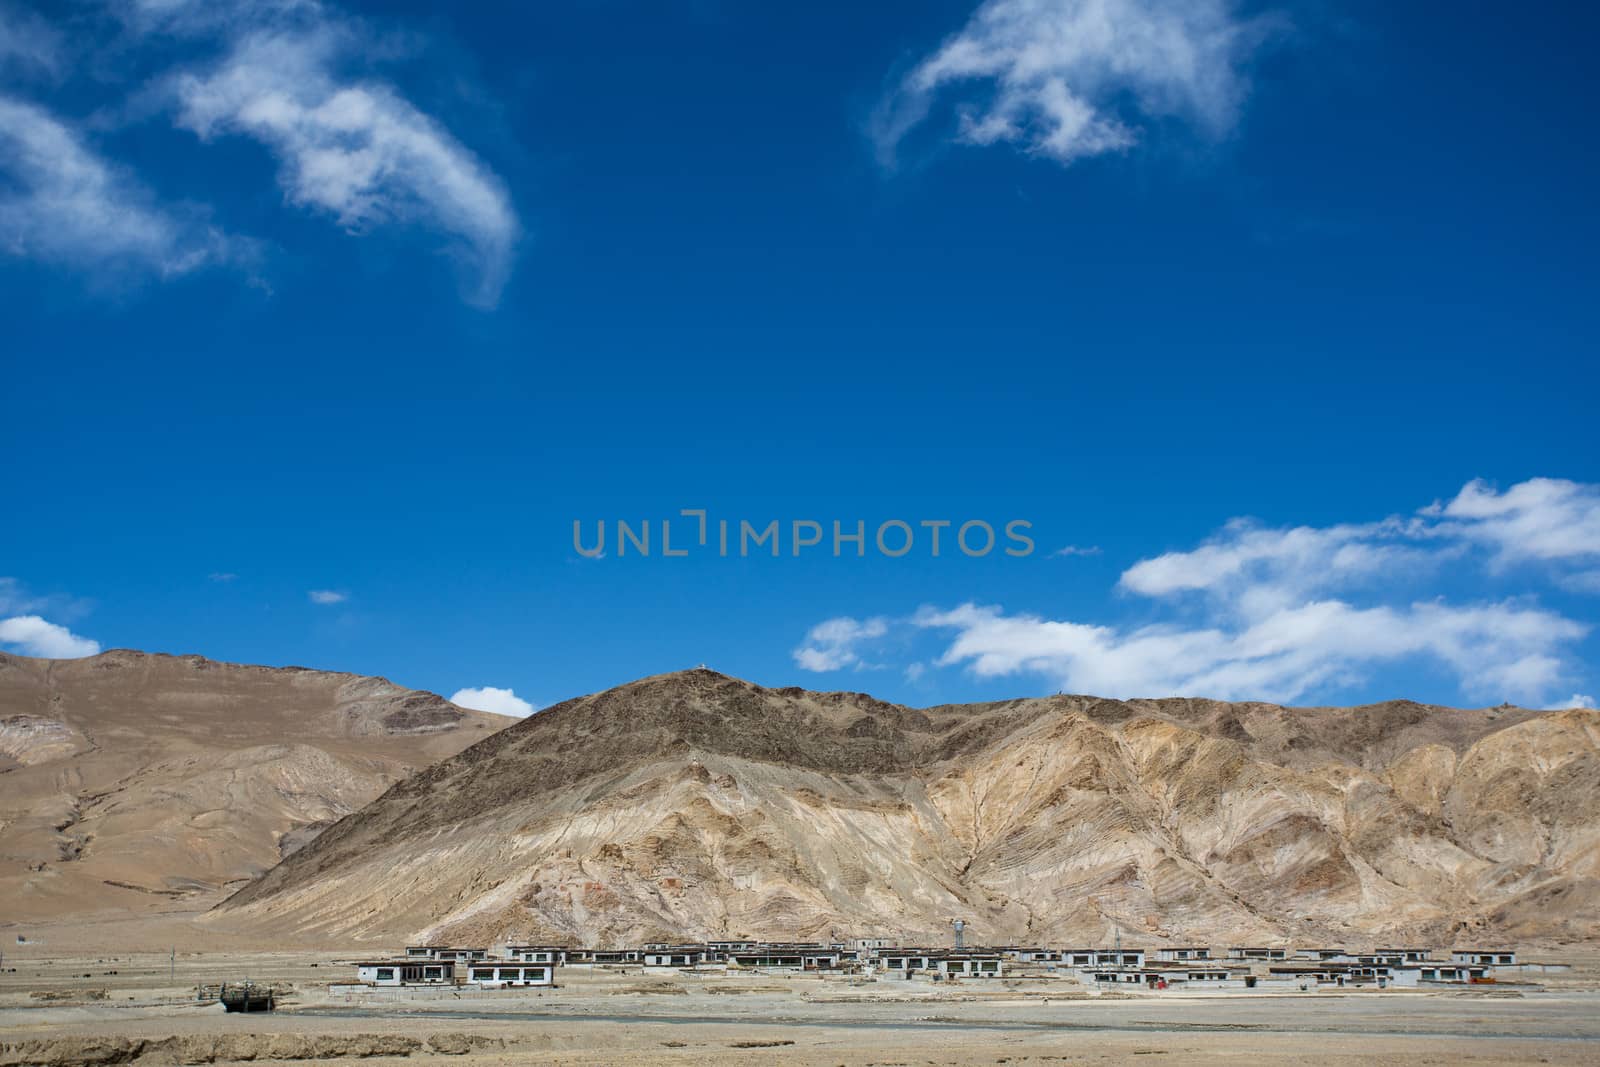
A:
(120, 1007)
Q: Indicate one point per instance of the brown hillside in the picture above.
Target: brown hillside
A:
(132, 782)
(697, 805)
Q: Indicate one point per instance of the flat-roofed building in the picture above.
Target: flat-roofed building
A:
(1408, 955)
(1103, 957)
(1258, 952)
(675, 956)
(445, 952)
(1183, 952)
(1451, 973)
(551, 954)
(906, 961)
(970, 965)
(496, 973)
(412, 970)
(1484, 956)
(1318, 953)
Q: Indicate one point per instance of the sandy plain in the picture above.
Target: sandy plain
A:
(68, 997)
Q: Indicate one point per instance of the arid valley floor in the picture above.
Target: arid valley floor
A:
(66, 996)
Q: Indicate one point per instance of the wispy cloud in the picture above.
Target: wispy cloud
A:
(1069, 79)
(222, 576)
(489, 698)
(1284, 613)
(34, 636)
(1068, 551)
(28, 44)
(831, 645)
(352, 148)
(1496, 651)
(327, 596)
(1541, 519)
(63, 203)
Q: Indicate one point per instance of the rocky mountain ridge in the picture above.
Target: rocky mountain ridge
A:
(696, 805)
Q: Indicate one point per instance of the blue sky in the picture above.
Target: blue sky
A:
(323, 324)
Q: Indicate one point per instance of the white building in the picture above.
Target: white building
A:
(675, 957)
(905, 963)
(496, 973)
(970, 965)
(1183, 952)
(1264, 952)
(412, 971)
(1486, 957)
(551, 954)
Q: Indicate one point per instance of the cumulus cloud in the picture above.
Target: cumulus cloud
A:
(34, 636)
(831, 645)
(355, 150)
(63, 203)
(1541, 519)
(327, 596)
(1282, 613)
(1578, 700)
(488, 698)
(1069, 79)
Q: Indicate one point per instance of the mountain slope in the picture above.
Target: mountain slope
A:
(132, 781)
(697, 805)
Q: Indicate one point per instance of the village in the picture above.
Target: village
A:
(1118, 968)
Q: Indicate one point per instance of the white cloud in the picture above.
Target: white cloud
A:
(488, 698)
(1539, 519)
(14, 598)
(1578, 700)
(34, 636)
(1067, 551)
(1497, 651)
(62, 203)
(1068, 79)
(1282, 613)
(831, 645)
(28, 43)
(356, 150)
(327, 596)
(1255, 570)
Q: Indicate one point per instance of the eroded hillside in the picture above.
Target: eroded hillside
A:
(131, 782)
(696, 805)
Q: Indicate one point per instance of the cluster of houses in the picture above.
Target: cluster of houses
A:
(1190, 967)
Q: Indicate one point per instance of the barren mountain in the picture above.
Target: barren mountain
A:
(133, 782)
(697, 805)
